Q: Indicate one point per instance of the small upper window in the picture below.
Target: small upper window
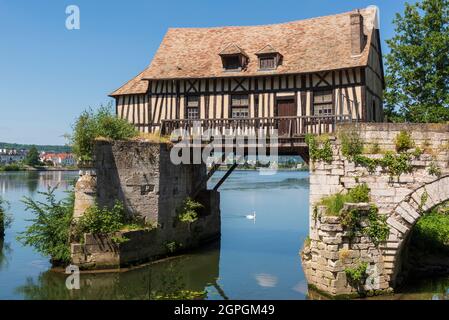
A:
(193, 103)
(267, 62)
(323, 103)
(232, 63)
(239, 105)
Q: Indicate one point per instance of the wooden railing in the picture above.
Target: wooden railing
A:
(287, 127)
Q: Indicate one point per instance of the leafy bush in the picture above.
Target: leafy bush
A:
(335, 203)
(103, 123)
(50, 230)
(188, 212)
(377, 229)
(404, 141)
(104, 221)
(351, 144)
(319, 148)
(357, 276)
(434, 169)
(431, 232)
(12, 167)
(394, 164)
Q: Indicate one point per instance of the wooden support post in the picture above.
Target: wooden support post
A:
(215, 167)
(228, 173)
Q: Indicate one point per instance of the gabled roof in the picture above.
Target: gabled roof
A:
(232, 49)
(311, 45)
(268, 49)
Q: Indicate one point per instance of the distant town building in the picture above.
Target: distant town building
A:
(58, 159)
(8, 156)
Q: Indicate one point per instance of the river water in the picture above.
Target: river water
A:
(255, 259)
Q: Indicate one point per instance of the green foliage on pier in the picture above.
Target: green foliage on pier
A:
(188, 211)
(100, 220)
(434, 169)
(357, 276)
(351, 143)
(49, 231)
(395, 164)
(320, 148)
(95, 124)
(403, 141)
(335, 202)
(375, 225)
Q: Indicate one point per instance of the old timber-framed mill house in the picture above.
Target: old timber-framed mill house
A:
(298, 77)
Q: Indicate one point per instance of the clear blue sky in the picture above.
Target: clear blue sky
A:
(49, 74)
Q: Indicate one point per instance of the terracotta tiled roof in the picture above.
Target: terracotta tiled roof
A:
(134, 86)
(310, 45)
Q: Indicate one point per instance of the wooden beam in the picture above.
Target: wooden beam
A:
(227, 174)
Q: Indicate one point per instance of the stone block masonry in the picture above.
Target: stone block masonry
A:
(142, 177)
(401, 199)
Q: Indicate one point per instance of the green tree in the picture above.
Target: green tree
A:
(417, 73)
(32, 157)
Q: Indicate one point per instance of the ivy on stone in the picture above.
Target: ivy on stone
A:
(320, 148)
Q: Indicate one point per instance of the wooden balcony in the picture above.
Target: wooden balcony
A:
(291, 131)
(287, 127)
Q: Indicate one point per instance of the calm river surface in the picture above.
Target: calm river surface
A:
(254, 259)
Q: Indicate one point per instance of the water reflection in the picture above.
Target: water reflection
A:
(5, 253)
(194, 272)
(29, 182)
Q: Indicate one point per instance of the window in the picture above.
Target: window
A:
(323, 103)
(193, 103)
(239, 106)
(267, 62)
(232, 63)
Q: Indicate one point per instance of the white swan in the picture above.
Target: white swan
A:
(251, 216)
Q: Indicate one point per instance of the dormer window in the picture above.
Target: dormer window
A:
(268, 62)
(232, 63)
(269, 58)
(233, 58)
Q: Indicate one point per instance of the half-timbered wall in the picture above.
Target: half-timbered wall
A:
(166, 99)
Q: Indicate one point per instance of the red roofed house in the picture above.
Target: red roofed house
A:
(291, 76)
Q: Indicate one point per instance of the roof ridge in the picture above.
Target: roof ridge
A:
(361, 10)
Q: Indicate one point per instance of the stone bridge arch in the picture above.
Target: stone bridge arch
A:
(403, 219)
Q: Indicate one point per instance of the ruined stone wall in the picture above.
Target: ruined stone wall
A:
(141, 175)
(398, 198)
(151, 187)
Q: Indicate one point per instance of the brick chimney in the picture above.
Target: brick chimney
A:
(357, 36)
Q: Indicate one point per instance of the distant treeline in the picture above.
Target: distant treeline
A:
(45, 148)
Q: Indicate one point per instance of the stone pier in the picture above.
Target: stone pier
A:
(152, 189)
(402, 199)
